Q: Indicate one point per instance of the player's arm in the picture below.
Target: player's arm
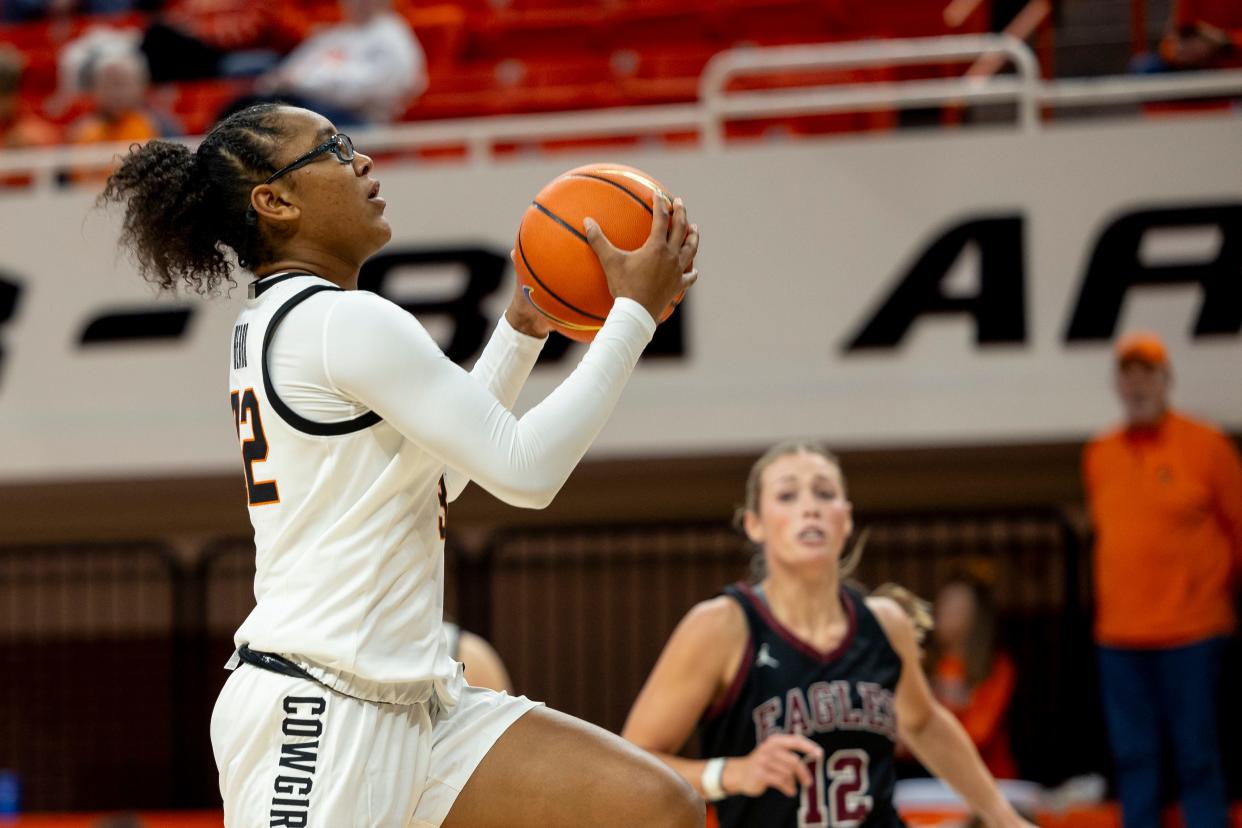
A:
(1226, 475)
(934, 735)
(506, 363)
(376, 353)
(483, 665)
(696, 668)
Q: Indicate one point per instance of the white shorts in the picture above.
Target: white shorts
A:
(293, 753)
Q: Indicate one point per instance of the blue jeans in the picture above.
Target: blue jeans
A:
(1154, 697)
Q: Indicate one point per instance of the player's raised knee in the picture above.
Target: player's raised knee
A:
(671, 803)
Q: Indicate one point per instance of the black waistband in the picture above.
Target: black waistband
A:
(272, 663)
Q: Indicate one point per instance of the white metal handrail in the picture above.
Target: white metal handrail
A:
(1137, 89)
(726, 66)
(716, 106)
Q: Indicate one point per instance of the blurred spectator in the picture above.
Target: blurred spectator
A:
(969, 674)
(117, 82)
(195, 39)
(19, 127)
(1165, 496)
(366, 69)
(1202, 34)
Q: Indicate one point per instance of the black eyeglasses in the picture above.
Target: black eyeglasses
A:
(339, 145)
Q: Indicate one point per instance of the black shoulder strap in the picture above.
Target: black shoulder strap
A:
(744, 596)
(288, 414)
(867, 625)
(260, 286)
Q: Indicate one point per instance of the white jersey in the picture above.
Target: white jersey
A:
(355, 431)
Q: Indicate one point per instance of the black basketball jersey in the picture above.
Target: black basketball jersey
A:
(844, 700)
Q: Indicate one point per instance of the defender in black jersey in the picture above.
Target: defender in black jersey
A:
(842, 699)
(800, 686)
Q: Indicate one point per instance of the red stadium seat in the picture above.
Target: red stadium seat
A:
(771, 22)
(512, 56)
(910, 18)
(660, 75)
(441, 30)
(806, 125)
(196, 105)
(537, 33)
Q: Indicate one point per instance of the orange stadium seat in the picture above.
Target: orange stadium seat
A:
(773, 22)
(660, 75)
(506, 33)
(196, 104)
(652, 23)
(911, 18)
(803, 125)
(441, 30)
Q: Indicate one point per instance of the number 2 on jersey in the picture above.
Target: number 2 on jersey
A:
(847, 797)
(253, 448)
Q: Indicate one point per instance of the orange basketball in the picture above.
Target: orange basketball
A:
(556, 266)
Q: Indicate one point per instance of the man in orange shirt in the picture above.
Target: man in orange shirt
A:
(1165, 495)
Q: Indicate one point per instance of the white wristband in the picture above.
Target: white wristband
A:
(713, 773)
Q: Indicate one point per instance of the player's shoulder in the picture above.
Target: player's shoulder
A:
(361, 307)
(1108, 437)
(894, 620)
(1103, 448)
(361, 298)
(886, 610)
(1201, 429)
(716, 620)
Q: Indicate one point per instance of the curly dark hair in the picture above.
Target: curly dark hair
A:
(184, 211)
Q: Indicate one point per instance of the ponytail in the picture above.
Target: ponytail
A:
(185, 212)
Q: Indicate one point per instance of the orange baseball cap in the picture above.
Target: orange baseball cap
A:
(1142, 346)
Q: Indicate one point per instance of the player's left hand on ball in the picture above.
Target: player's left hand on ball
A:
(522, 315)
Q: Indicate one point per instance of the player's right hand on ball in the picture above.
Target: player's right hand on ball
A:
(778, 762)
(655, 274)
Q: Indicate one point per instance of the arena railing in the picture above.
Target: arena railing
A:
(90, 674)
(1036, 102)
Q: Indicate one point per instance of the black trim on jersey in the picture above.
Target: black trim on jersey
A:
(286, 413)
(765, 612)
(258, 286)
(273, 663)
(739, 679)
(282, 666)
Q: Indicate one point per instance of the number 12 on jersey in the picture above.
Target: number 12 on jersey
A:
(847, 798)
(253, 448)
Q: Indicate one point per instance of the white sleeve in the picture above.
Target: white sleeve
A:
(381, 356)
(502, 368)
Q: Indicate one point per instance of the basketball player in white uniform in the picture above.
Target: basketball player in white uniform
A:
(345, 707)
